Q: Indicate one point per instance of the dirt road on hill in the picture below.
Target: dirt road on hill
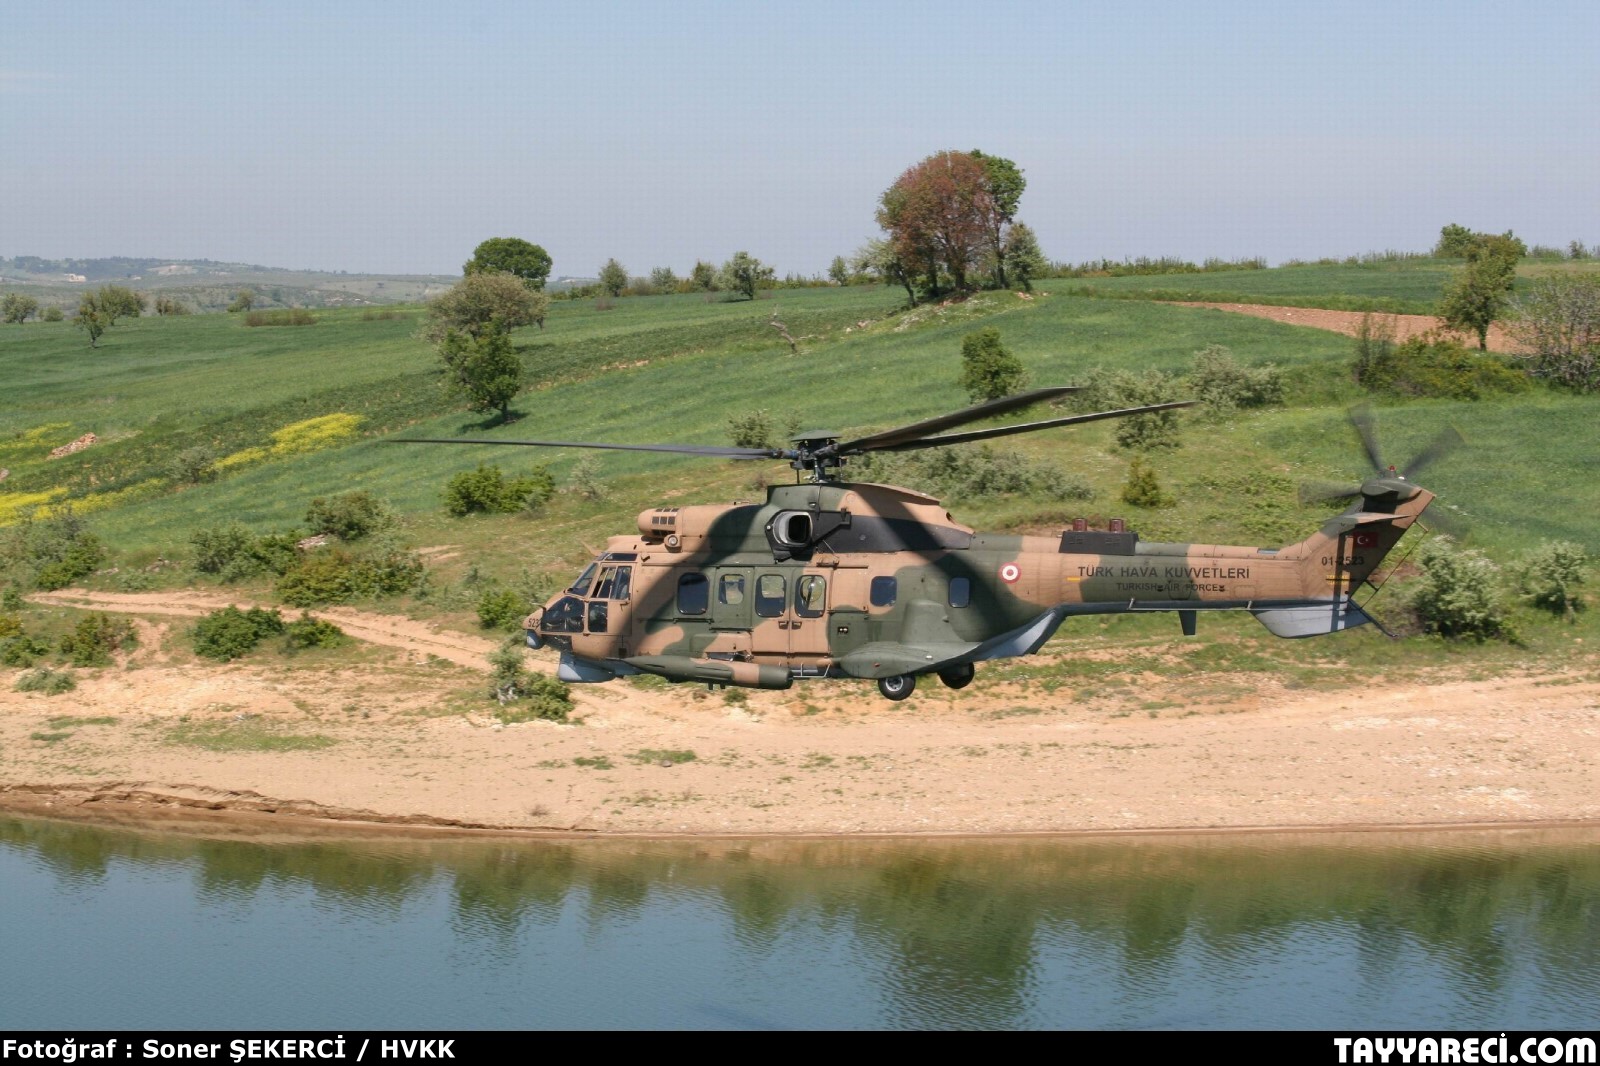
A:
(1347, 322)
(405, 738)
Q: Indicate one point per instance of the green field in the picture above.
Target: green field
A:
(676, 368)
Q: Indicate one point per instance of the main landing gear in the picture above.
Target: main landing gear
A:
(897, 687)
(958, 676)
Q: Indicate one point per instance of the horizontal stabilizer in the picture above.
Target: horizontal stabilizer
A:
(883, 658)
(1313, 620)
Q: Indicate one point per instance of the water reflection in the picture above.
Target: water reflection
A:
(1499, 929)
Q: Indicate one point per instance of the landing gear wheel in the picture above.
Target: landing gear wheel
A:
(897, 687)
(958, 676)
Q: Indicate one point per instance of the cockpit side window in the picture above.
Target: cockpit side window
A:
(613, 582)
(580, 587)
(564, 616)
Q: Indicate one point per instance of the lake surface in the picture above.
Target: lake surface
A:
(107, 929)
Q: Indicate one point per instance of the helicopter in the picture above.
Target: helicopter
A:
(834, 579)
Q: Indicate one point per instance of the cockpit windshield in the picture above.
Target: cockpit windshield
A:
(581, 586)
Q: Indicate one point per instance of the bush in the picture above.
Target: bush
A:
(1224, 385)
(48, 681)
(1557, 328)
(333, 575)
(501, 609)
(1552, 576)
(193, 465)
(349, 516)
(988, 370)
(487, 490)
(308, 632)
(1458, 594)
(1114, 390)
(22, 650)
(52, 553)
(752, 430)
(234, 553)
(96, 637)
(584, 480)
(524, 695)
(294, 316)
(1433, 364)
(227, 634)
(53, 314)
(1143, 488)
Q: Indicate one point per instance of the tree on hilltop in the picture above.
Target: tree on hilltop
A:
(613, 278)
(939, 215)
(1479, 291)
(483, 367)
(510, 255)
(1005, 185)
(479, 302)
(744, 273)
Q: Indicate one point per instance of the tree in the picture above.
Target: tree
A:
(703, 278)
(91, 318)
(988, 370)
(510, 255)
(1557, 329)
(243, 300)
(744, 273)
(939, 215)
(1453, 243)
(483, 367)
(662, 279)
(878, 257)
(1023, 256)
(1005, 184)
(838, 272)
(118, 301)
(1479, 291)
(613, 278)
(478, 301)
(17, 308)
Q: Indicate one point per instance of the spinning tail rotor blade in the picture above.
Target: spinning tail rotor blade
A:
(1367, 430)
(1325, 491)
(1446, 442)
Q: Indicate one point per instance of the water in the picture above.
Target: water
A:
(106, 929)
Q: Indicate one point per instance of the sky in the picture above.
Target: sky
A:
(393, 137)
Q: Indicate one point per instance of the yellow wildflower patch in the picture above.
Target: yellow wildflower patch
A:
(39, 438)
(14, 504)
(243, 458)
(99, 501)
(297, 438)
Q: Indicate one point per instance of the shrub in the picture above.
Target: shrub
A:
(1557, 328)
(193, 465)
(53, 314)
(52, 553)
(234, 553)
(524, 695)
(1458, 594)
(1433, 364)
(1143, 488)
(243, 300)
(22, 650)
(584, 480)
(294, 316)
(1224, 385)
(1118, 389)
(48, 681)
(752, 430)
(308, 632)
(1374, 346)
(96, 637)
(1552, 576)
(227, 634)
(988, 370)
(501, 609)
(487, 490)
(349, 516)
(333, 575)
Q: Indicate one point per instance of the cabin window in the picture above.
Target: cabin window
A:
(694, 591)
(960, 591)
(730, 589)
(612, 584)
(769, 595)
(810, 596)
(884, 591)
(564, 616)
(580, 587)
(598, 610)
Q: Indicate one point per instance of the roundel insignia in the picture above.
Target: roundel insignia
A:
(1366, 540)
(1010, 572)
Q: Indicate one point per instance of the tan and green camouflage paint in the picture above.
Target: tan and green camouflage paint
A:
(1013, 581)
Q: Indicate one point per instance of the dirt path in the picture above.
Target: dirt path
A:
(403, 736)
(1347, 322)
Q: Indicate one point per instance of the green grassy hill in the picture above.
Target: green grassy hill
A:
(293, 413)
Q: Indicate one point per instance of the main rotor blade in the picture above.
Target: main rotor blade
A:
(1361, 419)
(1448, 440)
(1025, 427)
(681, 449)
(886, 440)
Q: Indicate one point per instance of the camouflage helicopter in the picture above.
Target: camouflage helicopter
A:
(830, 579)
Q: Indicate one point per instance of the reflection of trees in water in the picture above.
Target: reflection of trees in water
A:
(959, 929)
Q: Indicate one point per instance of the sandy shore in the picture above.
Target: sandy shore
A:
(404, 742)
